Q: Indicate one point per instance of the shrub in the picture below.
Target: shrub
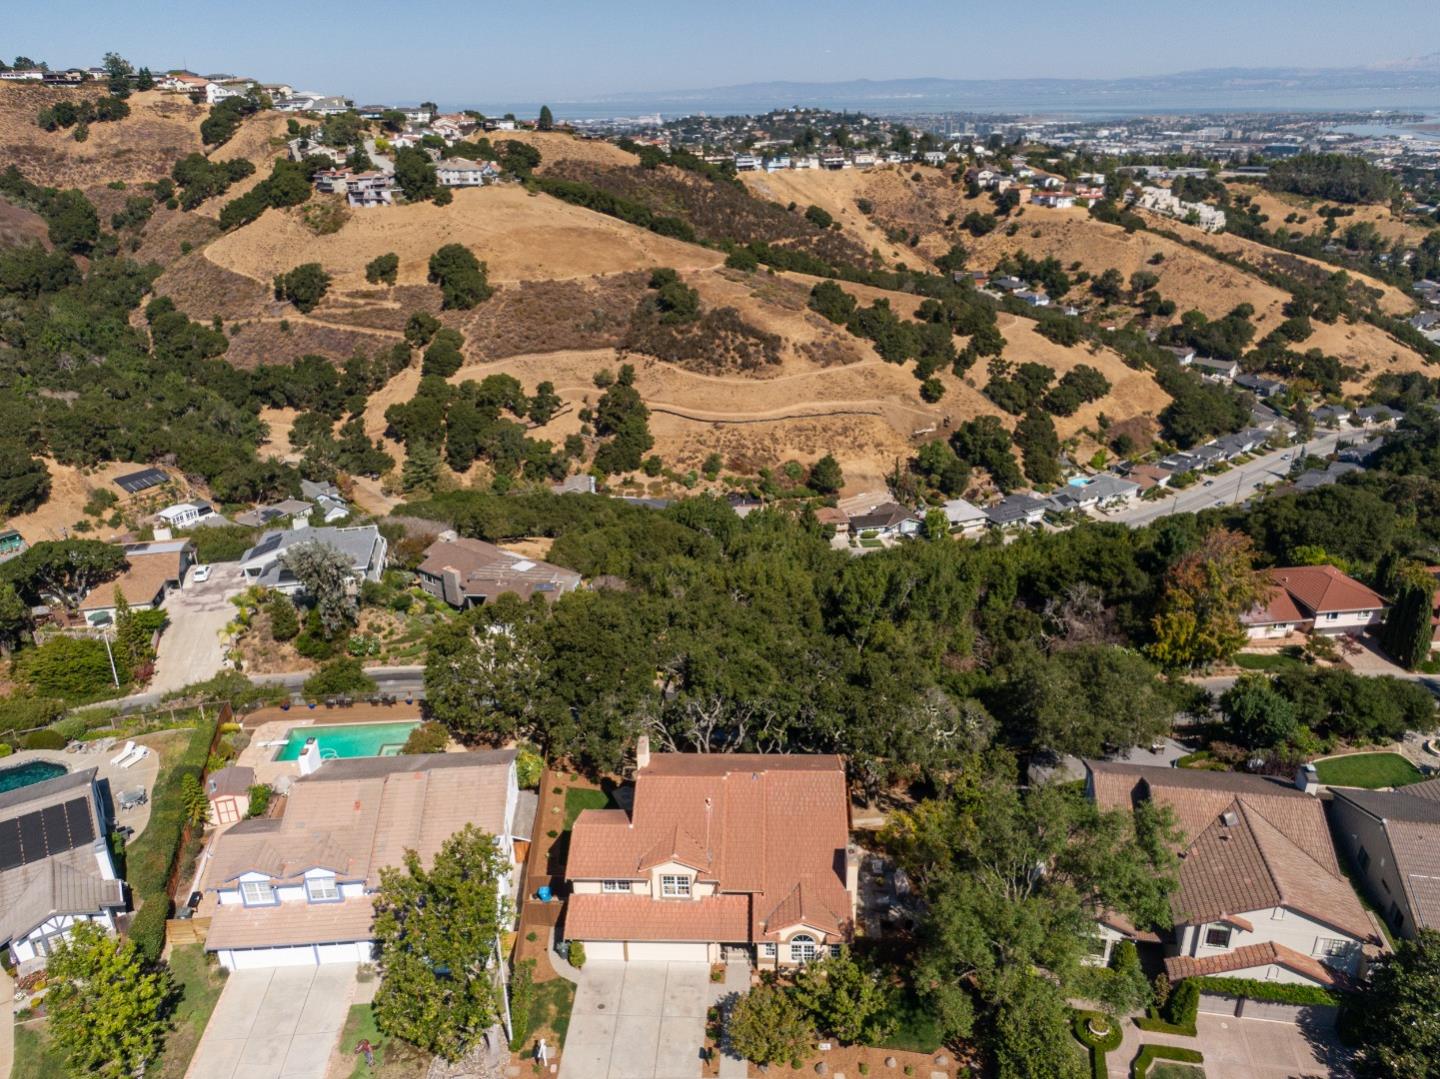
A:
(522, 1003)
(383, 269)
(1150, 1053)
(742, 259)
(147, 929)
(575, 953)
(338, 676)
(23, 713)
(528, 768)
(6, 749)
(818, 217)
(304, 286)
(43, 740)
(461, 277)
(429, 737)
(1252, 989)
(259, 799)
(284, 622)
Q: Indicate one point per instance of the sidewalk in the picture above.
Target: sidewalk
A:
(7, 1025)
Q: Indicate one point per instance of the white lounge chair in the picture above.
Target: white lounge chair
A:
(139, 754)
(129, 749)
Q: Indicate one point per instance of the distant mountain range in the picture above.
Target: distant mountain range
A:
(1411, 83)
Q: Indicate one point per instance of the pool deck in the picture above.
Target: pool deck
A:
(112, 778)
(269, 726)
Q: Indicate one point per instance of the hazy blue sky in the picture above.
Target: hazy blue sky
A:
(456, 51)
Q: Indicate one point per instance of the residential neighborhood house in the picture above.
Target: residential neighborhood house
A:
(1392, 839)
(153, 570)
(1318, 599)
(363, 547)
(470, 573)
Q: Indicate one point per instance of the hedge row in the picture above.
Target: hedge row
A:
(1140, 1066)
(1098, 1047)
(1273, 992)
(149, 860)
(1179, 1012)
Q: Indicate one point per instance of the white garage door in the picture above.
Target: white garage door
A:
(258, 958)
(611, 950)
(669, 952)
(344, 953)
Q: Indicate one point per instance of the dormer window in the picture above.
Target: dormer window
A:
(257, 893)
(675, 886)
(322, 889)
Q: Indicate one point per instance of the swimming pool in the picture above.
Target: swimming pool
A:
(351, 740)
(22, 775)
(1078, 481)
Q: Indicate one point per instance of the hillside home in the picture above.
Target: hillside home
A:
(55, 865)
(1033, 298)
(935, 158)
(1184, 354)
(1016, 510)
(154, 569)
(363, 548)
(1216, 370)
(185, 514)
(1324, 477)
(1148, 476)
(833, 517)
(327, 497)
(299, 889)
(290, 510)
(24, 74)
(1317, 599)
(1392, 839)
(748, 163)
(1261, 894)
(863, 159)
(471, 573)
(888, 519)
(965, 517)
(458, 172)
(1056, 200)
(1330, 415)
(718, 853)
(1259, 385)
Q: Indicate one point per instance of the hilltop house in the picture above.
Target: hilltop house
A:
(1016, 509)
(1392, 838)
(327, 497)
(964, 517)
(1317, 599)
(186, 514)
(55, 865)
(888, 519)
(154, 570)
(1260, 893)
(363, 548)
(719, 852)
(470, 573)
(459, 172)
(298, 889)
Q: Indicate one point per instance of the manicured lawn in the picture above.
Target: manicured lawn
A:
(1368, 770)
(33, 1056)
(578, 799)
(393, 1059)
(200, 983)
(1266, 661)
(1163, 1069)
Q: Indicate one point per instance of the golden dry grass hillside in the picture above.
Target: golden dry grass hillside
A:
(143, 146)
(1280, 206)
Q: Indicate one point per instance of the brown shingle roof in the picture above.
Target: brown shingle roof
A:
(1412, 827)
(234, 926)
(772, 827)
(140, 583)
(1249, 844)
(1324, 589)
(486, 570)
(1251, 955)
(356, 816)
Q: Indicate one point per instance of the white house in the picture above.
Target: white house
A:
(24, 74)
(55, 865)
(299, 889)
(185, 514)
(1318, 599)
(363, 548)
(965, 517)
(457, 172)
(1261, 894)
(936, 158)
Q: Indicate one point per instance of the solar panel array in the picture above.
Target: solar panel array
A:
(139, 481)
(45, 832)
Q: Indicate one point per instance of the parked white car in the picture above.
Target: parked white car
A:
(202, 574)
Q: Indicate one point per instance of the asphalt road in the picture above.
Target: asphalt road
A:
(1234, 486)
(399, 681)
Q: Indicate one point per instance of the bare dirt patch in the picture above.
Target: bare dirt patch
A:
(20, 227)
(70, 489)
(553, 316)
(558, 146)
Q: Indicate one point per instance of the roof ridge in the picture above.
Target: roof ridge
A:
(1280, 832)
(1245, 811)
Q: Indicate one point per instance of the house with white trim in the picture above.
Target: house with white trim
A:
(1261, 894)
(1316, 599)
(719, 852)
(55, 865)
(299, 889)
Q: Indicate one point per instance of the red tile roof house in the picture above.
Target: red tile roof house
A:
(720, 852)
(299, 889)
(1260, 894)
(1319, 599)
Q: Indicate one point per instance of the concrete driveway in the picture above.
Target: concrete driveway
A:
(638, 1021)
(190, 648)
(276, 1024)
(1271, 1048)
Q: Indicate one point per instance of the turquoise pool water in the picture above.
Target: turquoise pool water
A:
(22, 775)
(351, 740)
(1078, 481)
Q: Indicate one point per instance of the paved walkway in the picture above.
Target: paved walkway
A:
(736, 984)
(7, 1024)
(276, 1024)
(637, 1021)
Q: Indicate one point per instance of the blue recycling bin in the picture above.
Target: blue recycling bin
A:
(543, 894)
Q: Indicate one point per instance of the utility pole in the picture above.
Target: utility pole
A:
(104, 636)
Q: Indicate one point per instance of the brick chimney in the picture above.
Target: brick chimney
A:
(852, 877)
(642, 752)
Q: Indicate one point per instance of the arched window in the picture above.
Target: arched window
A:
(802, 948)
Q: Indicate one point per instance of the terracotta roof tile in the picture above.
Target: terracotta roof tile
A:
(1251, 955)
(1323, 589)
(724, 918)
(234, 926)
(1278, 607)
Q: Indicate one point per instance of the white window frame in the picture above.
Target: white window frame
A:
(1332, 948)
(1229, 936)
(613, 886)
(675, 886)
(322, 889)
(803, 948)
(257, 893)
(767, 951)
